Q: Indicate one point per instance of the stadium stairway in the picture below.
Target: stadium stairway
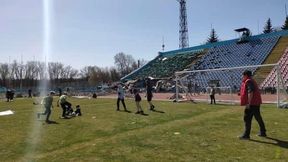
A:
(272, 58)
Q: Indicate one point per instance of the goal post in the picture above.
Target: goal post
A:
(194, 84)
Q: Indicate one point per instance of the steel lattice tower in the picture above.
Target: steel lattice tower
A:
(183, 31)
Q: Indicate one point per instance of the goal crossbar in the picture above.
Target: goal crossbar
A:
(221, 69)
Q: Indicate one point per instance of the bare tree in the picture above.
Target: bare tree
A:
(105, 75)
(114, 75)
(31, 70)
(4, 73)
(86, 72)
(94, 77)
(15, 70)
(68, 72)
(55, 69)
(73, 74)
(41, 70)
(124, 63)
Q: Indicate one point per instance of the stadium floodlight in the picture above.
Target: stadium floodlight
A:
(183, 25)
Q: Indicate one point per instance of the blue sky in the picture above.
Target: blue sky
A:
(91, 32)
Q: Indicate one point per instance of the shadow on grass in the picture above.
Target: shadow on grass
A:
(127, 111)
(143, 114)
(158, 111)
(186, 101)
(193, 101)
(280, 143)
(52, 122)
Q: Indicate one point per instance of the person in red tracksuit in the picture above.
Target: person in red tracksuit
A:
(251, 99)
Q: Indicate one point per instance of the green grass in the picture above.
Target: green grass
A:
(206, 133)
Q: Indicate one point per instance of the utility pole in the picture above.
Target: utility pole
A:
(21, 73)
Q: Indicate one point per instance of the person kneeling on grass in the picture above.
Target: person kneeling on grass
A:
(137, 100)
(47, 103)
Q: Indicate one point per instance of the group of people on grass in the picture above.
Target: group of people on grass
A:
(67, 110)
(250, 97)
(137, 97)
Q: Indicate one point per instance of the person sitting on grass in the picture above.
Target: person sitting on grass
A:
(77, 112)
(137, 100)
(47, 103)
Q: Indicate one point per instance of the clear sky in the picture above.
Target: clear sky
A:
(91, 32)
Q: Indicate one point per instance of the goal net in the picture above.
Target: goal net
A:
(196, 84)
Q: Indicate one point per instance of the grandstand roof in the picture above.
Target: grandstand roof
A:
(221, 43)
(203, 47)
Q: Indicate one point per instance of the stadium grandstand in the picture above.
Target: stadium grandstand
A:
(260, 49)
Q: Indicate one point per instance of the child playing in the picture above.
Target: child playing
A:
(47, 103)
(137, 100)
(64, 105)
(78, 111)
(121, 96)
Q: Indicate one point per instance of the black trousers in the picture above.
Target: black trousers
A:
(123, 103)
(248, 115)
(212, 98)
(64, 107)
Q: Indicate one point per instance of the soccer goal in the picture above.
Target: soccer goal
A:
(196, 84)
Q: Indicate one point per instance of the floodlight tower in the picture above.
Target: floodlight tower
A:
(183, 31)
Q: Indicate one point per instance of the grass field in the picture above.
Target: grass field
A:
(185, 132)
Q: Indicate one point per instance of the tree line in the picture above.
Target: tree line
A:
(31, 73)
(268, 28)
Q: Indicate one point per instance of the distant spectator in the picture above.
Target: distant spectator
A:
(8, 94)
(29, 93)
(212, 95)
(12, 95)
(60, 91)
(94, 95)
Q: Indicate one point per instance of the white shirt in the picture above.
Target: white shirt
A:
(120, 92)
